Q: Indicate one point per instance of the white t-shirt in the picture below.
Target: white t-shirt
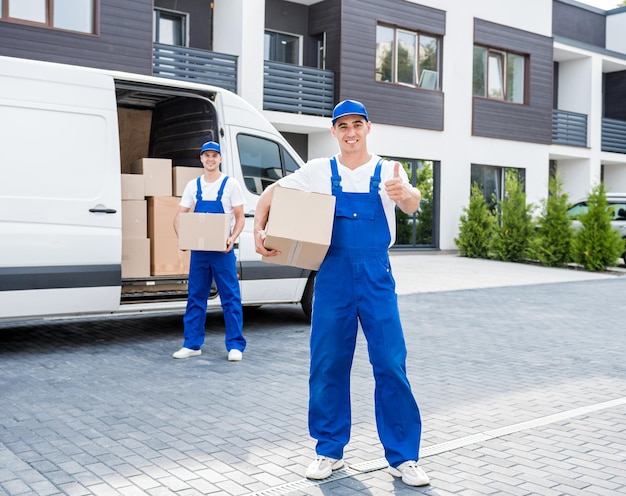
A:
(232, 196)
(315, 175)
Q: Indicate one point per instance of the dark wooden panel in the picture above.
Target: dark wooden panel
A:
(386, 103)
(286, 17)
(124, 41)
(580, 24)
(531, 122)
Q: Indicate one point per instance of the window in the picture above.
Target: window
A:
(407, 57)
(420, 228)
(71, 15)
(320, 50)
(492, 180)
(499, 74)
(263, 162)
(170, 28)
(281, 47)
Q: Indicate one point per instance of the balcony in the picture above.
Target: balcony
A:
(613, 136)
(569, 128)
(198, 66)
(298, 89)
(286, 87)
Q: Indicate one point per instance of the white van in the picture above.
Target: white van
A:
(65, 133)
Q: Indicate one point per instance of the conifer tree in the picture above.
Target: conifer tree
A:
(515, 230)
(553, 241)
(596, 245)
(476, 226)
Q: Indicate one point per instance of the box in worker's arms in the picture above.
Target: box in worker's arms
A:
(202, 231)
(300, 225)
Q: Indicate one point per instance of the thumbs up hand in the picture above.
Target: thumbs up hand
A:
(395, 187)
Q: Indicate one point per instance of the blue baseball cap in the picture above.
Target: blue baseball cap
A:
(211, 145)
(349, 107)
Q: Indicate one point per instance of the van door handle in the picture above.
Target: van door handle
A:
(103, 210)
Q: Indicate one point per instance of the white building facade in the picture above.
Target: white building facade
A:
(577, 86)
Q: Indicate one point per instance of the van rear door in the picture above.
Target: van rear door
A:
(60, 219)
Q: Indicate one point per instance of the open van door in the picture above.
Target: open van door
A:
(60, 206)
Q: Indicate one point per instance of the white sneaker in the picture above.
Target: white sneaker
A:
(186, 353)
(235, 355)
(411, 474)
(322, 467)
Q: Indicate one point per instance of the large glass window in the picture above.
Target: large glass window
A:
(71, 15)
(170, 28)
(320, 50)
(407, 57)
(493, 179)
(263, 162)
(499, 74)
(281, 47)
(419, 229)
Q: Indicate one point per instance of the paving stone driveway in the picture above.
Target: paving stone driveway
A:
(522, 391)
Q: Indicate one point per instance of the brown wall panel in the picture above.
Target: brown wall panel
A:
(124, 40)
(531, 122)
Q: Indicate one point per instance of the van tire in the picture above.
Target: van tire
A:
(307, 296)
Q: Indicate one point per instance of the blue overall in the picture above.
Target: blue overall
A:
(204, 267)
(355, 283)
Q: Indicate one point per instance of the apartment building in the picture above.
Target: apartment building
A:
(459, 92)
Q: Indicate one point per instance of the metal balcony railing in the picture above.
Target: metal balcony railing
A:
(192, 64)
(297, 89)
(569, 128)
(613, 135)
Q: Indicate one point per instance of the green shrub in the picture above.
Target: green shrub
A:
(476, 227)
(596, 245)
(515, 229)
(553, 240)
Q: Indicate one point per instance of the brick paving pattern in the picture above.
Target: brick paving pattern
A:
(522, 391)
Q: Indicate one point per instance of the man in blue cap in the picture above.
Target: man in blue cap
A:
(213, 192)
(355, 284)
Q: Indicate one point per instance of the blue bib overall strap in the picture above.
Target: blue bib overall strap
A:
(206, 266)
(209, 206)
(355, 283)
(335, 178)
(350, 208)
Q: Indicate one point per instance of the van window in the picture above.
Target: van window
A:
(263, 162)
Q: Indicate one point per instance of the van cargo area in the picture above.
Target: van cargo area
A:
(162, 123)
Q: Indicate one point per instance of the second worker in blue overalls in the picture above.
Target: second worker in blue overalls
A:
(213, 192)
(355, 284)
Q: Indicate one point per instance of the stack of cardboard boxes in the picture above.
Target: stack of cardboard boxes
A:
(150, 198)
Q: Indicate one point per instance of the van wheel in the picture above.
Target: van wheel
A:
(307, 296)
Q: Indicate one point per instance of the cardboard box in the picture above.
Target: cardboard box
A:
(133, 187)
(135, 258)
(161, 214)
(157, 175)
(202, 231)
(134, 219)
(300, 226)
(166, 259)
(181, 176)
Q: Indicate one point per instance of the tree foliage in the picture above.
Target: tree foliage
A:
(515, 229)
(596, 245)
(553, 240)
(477, 226)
